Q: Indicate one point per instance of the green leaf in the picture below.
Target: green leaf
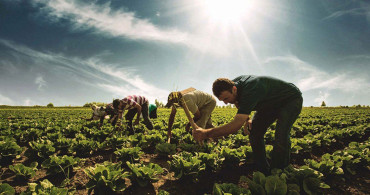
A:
(275, 185)
(6, 189)
(259, 178)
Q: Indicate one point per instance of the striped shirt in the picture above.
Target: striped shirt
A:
(132, 100)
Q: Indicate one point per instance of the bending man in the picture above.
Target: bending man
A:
(272, 99)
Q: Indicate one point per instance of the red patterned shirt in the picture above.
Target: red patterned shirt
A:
(132, 100)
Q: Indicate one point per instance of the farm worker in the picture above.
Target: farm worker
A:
(134, 104)
(272, 99)
(199, 103)
(102, 112)
(152, 111)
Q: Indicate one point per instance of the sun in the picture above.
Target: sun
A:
(227, 11)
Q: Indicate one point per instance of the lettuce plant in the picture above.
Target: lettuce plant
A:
(186, 164)
(129, 154)
(229, 188)
(106, 178)
(24, 172)
(143, 174)
(58, 164)
(165, 149)
(6, 189)
(46, 187)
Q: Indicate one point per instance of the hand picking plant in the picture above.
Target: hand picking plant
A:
(143, 174)
(106, 178)
(23, 172)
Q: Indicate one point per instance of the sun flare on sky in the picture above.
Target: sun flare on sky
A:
(227, 11)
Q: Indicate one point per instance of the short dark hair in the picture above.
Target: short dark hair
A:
(222, 84)
(115, 103)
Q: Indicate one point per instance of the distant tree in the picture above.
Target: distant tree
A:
(158, 104)
(323, 104)
(89, 104)
(50, 105)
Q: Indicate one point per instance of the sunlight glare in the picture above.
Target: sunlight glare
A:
(227, 10)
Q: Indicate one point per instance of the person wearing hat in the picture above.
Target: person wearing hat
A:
(99, 113)
(199, 103)
(135, 104)
(273, 100)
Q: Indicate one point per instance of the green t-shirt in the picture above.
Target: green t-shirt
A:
(152, 107)
(263, 93)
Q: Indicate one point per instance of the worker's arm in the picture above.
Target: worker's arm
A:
(232, 127)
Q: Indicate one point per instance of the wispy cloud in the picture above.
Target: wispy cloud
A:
(40, 82)
(310, 77)
(5, 100)
(125, 24)
(362, 11)
(93, 71)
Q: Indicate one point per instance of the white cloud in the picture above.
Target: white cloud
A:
(362, 11)
(5, 100)
(40, 82)
(118, 81)
(122, 23)
(310, 77)
(27, 102)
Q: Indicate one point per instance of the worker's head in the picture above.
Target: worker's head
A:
(98, 111)
(109, 109)
(173, 99)
(225, 90)
(116, 103)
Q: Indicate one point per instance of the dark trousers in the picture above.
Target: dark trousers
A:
(285, 116)
(144, 111)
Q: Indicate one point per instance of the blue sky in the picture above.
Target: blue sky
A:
(70, 52)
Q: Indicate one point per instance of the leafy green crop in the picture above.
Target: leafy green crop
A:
(129, 154)
(186, 165)
(24, 172)
(6, 189)
(143, 174)
(229, 188)
(165, 149)
(58, 164)
(46, 187)
(106, 178)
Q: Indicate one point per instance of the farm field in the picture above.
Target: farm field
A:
(53, 150)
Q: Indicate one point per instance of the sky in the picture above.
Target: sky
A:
(70, 52)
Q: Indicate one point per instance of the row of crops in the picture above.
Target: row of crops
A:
(53, 150)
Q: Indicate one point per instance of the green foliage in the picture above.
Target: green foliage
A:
(229, 188)
(58, 164)
(129, 154)
(46, 187)
(50, 105)
(24, 172)
(165, 149)
(186, 165)
(40, 149)
(6, 189)
(144, 174)
(9, 150)
(106, 178)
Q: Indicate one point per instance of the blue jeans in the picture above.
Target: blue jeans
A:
(285, 116)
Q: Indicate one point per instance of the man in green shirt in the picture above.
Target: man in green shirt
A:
(272, 99)
(152, 111)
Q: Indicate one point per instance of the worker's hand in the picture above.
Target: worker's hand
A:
(136, 122)
(199, 134)
(248, 126)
